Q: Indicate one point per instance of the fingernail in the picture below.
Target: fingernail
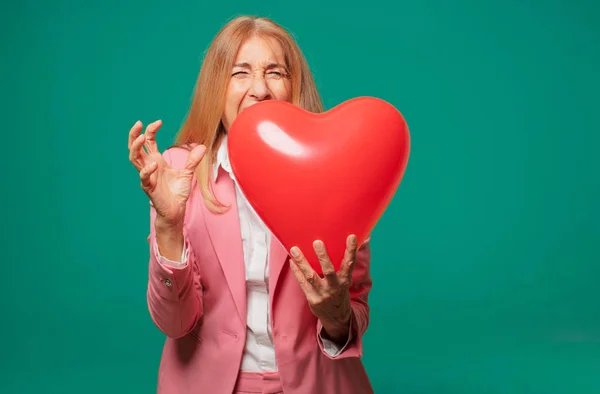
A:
(319, 245)
(295, 252)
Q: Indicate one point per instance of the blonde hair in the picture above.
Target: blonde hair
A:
(203, 122)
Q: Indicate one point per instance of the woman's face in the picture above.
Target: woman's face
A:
(258, 74)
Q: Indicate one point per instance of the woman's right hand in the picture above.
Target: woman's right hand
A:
(168, 188)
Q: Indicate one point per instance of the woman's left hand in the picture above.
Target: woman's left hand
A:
(328, 296)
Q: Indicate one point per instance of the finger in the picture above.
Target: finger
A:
(195, 157)
(349, 258)
(137, 154)
(309, 274)
(145, 175)
(134, 132)
(150, 133)
(328, 268)
(306, 287)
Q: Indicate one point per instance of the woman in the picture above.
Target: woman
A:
(239, 314)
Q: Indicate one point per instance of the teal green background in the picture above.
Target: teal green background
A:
(486, 265)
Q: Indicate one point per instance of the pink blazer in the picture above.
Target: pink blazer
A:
(201, 308)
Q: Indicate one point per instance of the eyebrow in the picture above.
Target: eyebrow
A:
(270, 65)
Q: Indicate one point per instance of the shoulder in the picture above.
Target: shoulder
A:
(176, 156)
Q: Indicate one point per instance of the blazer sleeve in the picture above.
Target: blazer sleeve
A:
(359, 296)
(174, 294)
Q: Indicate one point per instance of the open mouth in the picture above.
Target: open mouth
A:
(248, 106)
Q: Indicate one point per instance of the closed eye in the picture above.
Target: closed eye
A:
(275, 74)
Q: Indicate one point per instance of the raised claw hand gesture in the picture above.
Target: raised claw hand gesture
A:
(168, 188)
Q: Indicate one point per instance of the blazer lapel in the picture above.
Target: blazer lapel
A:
(278, 258)
(225, 235)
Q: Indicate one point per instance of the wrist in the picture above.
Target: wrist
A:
(167, 225)
(338, 330)
(169, 238)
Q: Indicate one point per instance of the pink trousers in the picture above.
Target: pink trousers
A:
(258, 383)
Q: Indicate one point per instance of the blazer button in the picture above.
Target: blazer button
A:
(168, 283)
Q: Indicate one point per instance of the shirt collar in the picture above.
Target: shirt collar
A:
(222, 159)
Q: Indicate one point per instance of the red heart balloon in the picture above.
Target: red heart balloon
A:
(320, 176)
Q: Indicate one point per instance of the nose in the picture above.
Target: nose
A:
(259, 89)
